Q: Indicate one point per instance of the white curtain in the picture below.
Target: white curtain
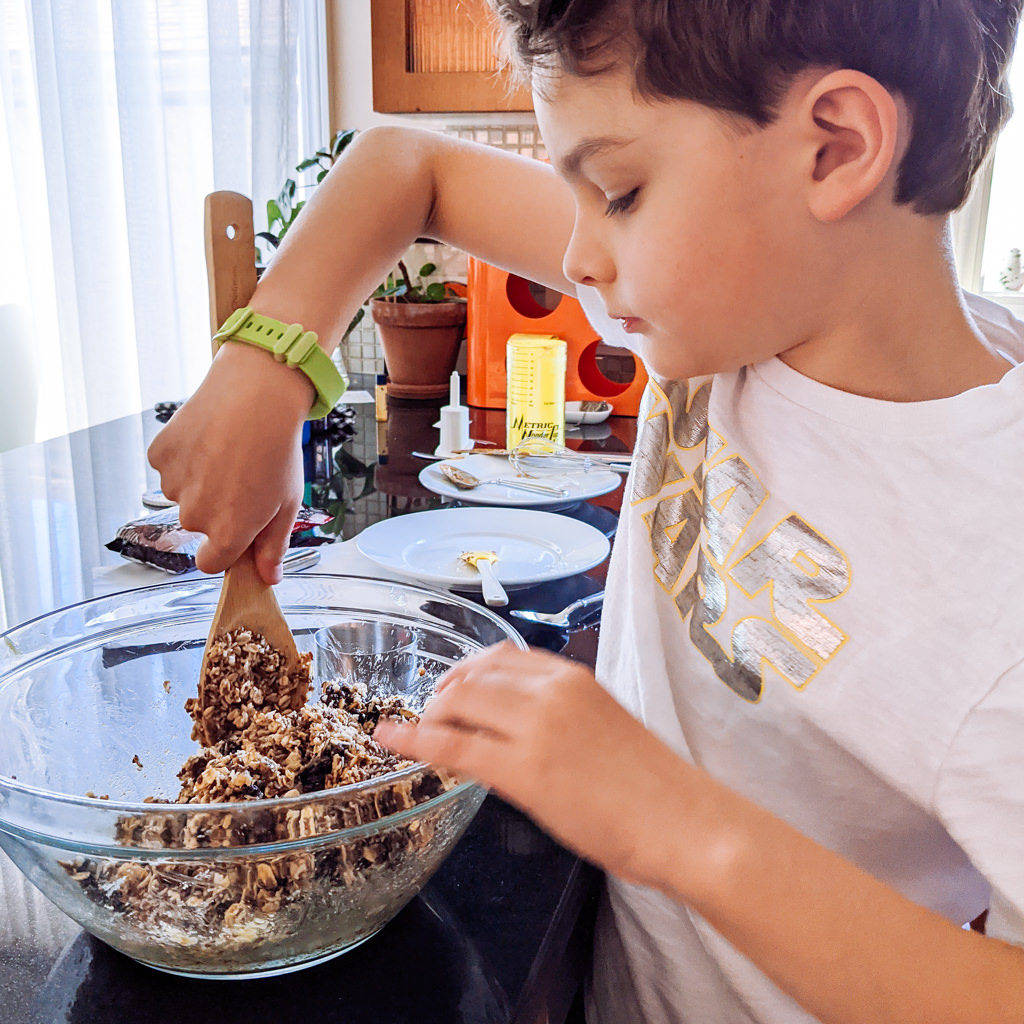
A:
(116, 118)
(991, 224)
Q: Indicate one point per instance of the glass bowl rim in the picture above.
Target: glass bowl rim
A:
(278, 847)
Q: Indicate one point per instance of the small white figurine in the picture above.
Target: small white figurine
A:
(1012, 274)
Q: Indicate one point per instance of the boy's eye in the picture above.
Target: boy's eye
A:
(622, 204)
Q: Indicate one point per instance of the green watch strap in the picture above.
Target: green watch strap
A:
(290, 344)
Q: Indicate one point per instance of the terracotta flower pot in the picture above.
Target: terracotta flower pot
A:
(421, 344)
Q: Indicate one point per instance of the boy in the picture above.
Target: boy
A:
(802, 767)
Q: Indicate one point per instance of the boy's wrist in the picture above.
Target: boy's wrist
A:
(288, 343)
(246, 367)
(693, 863)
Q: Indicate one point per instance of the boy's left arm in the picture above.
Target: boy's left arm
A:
(543, 734)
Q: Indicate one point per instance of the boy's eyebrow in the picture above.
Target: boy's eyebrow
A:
(569, 167)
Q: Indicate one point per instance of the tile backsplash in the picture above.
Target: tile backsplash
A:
(518, 138)
(361, 351)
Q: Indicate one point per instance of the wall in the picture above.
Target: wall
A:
(351, 106)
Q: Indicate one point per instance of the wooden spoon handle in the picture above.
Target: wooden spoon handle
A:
(230, 254)
(242, 583)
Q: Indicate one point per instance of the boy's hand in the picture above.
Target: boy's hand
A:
(231, 457)
(542, 733)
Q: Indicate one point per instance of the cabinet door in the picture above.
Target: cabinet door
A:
(438, 55)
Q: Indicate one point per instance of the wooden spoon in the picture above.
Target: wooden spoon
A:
(246, 602)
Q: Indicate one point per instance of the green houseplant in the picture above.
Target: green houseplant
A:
(420, 322)
(282, 211)
(421, 326)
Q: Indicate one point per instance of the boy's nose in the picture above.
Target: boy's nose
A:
(586, 261)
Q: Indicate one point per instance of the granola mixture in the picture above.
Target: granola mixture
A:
(244, 675)
(266, 752)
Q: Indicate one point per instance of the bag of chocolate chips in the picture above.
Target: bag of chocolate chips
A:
(161, 541)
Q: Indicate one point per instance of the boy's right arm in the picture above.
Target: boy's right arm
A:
(231, 455)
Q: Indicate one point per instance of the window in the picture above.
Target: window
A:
(992, 222)
(116, 119)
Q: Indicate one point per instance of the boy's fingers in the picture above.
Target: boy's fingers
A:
(395, 737)
(481, 700)
(469, 753)
(170, 487)
(271, 543)
(212, 556)
(223, 543)
(155, 452)
(488, 656)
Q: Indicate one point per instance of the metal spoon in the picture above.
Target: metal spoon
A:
(466, 482)
(571, 615)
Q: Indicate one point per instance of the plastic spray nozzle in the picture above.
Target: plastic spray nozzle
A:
(454, 422)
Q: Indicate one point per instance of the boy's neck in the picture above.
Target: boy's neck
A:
(899, 331)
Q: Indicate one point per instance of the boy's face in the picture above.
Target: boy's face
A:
(693, 231)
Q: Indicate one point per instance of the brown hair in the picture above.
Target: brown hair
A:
(948, 59)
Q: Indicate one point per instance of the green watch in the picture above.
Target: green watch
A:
(292, 345)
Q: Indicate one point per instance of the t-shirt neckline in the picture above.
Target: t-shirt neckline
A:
(994, 403)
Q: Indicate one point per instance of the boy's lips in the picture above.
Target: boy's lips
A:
(630, 324)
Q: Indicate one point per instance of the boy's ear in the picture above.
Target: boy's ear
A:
(853, 123)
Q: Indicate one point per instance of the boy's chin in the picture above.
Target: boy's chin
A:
(669, 361)
(674, 360)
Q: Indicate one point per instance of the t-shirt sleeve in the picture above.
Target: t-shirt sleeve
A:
(1000, 327)
(979, 797)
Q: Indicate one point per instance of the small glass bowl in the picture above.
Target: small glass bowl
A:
(92, 723)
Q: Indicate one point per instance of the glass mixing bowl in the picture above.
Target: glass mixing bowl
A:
(92, 724)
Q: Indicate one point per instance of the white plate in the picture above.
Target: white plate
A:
(532, 547)
(580, 486)
(574, 413)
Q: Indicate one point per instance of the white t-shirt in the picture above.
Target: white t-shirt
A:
(819, 599)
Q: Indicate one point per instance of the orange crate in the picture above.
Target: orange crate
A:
(501, 304)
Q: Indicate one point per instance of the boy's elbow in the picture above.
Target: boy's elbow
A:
(403, 147)
(406, 152)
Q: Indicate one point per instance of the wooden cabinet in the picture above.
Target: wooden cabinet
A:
(438, 55)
